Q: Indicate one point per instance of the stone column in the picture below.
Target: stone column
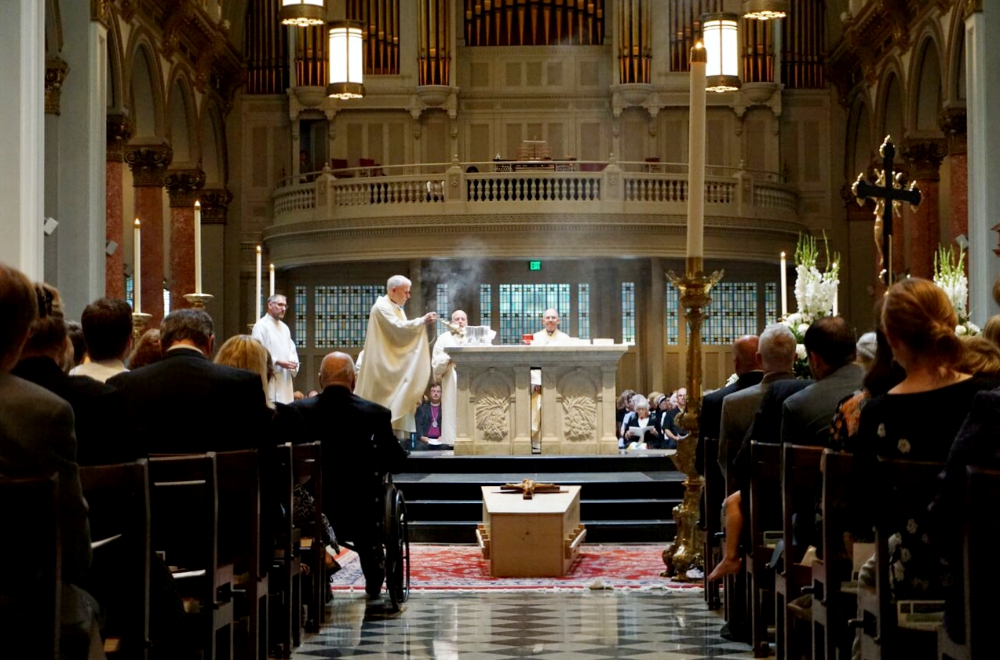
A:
(149, 165)
(183, 187)
(214, 205)
(22, 135)
(55, 75)
(119, 128)
(655, 323)
(952, 122)
(923, 225)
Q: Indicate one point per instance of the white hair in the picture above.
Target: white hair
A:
(777, 348)
(639, 401)
(396, 281)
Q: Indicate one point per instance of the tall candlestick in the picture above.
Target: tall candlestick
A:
(835, 305)
(137, 269)
(197, 247)
(696, 155)
(256, 291)
(271, 278)
(784, 286)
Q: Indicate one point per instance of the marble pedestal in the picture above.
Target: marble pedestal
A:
(494, 399)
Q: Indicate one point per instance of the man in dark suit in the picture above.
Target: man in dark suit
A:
(359, 449)
(184, 403)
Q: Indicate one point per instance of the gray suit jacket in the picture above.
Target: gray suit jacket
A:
(37, 439)
(806, 416)
(738, 410)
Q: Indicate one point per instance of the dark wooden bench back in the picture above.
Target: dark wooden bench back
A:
(239, 510)
(185, 507)
(765, 490)
(308, 470)
(982, 581)
(800, 485)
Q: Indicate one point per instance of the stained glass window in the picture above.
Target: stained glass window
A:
(486, 305)
(522, 306)
(130, 291)
(732, 312)
(583, 311)
(443, 305)
(770, 303)
(301, 309)
(674, 315)
(341, 314)
(628, 312)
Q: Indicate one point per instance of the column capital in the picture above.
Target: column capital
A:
(953, 124)
(183, 186)
(55, 73)
(214, 205)
(119, 132)
(971, 7)
(148, 163)
(924, 156)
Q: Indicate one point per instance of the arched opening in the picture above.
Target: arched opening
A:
(892, 110)
(180, 135)
(143, 98)
(928, 93)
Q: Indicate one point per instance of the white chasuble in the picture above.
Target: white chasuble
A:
(444, 373)
(277, 339)
(397, 366)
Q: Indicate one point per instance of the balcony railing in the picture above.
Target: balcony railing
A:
(532, 187)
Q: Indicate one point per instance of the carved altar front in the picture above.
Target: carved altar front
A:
(494, 398)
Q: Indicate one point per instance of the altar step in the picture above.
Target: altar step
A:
(624, 499)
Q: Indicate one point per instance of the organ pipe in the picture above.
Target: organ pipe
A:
(267, 49)
(804, 45)
(685, 28)
(435, 42)
(380, 19)
(534, 22)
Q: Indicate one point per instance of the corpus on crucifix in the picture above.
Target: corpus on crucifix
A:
(888, 186)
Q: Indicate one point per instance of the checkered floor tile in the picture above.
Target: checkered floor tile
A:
(554, 625)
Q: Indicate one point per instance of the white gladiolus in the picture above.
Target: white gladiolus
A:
(800, 351)
(803, 327)
(960, 330)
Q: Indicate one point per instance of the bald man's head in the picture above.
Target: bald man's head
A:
(745, 354)
(337, 370)
(551, 320)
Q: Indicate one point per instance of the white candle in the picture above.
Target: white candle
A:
(271, 283)
(784, 286)
(256, 291)
(137, 269)
(696, 155)
(835, 296)
(197, 247)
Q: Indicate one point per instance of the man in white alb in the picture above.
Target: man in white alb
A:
(444, 373)
(397, 365)
(271, 331)
(551, 335)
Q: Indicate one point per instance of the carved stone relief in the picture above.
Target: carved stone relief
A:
(579, 407)
(493, 408)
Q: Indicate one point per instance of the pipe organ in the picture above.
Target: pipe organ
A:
(381, 25)
(266, 48)
(310, 56)
(758, 50)
(685, 28)
(435, 42)
(635, 48)
(534, 22)
(803, 46)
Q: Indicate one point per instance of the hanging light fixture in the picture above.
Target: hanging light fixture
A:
(346, 63)
(302, 13)
(720, 34)
(763, 10)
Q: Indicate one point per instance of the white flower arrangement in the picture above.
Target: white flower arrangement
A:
(815, 293)
(949, 274)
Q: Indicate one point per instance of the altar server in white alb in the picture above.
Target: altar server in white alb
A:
(271, 331)
(444, 373)
(397, 365)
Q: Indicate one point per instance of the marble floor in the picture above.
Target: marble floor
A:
(559, 625)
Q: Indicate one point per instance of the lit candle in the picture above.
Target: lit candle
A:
(784, 286)
(256, 291)
(271, 283)
(137, 269)
(696, 154)
(197, 247)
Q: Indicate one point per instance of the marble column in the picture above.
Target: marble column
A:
(952, 122)
(119, 130)
(923, 227)
(22, 135)
(149, 166)
(183, 187)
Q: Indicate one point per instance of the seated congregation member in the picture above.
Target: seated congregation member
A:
(359, 449)
(146, 351)
(77, 356)
(430, 420)
(917, 420)
(981, 357)
(99, 440)
(107, 328)
(672, 431)
(623, 407)
(222, 408)
(36, 440)
(641, 428)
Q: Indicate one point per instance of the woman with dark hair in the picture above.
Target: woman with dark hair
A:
(147, 350)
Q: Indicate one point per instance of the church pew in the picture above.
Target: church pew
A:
(285, 580)
(799, 475)
(118, 496)
(765, 515)
(184, 524)
(714, 492)
(30, 582)
(308, 464)
(904, 490)
(240, 542)
(832, 606)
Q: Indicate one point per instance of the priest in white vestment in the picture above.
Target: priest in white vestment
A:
(444, 373)
(397, 366)
(550, 335)
(271, 331)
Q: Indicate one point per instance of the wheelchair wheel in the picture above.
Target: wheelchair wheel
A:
(397, 547)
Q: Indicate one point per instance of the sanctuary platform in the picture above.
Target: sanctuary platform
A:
(623, 499)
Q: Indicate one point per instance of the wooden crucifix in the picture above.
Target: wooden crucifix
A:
(528, 488)
(888, 187)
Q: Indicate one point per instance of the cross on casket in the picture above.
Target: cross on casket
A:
(888, 187)
(528, 488)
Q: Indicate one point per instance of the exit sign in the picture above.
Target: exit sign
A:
(534, 265)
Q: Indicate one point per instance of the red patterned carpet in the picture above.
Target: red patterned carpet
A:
(461, 567)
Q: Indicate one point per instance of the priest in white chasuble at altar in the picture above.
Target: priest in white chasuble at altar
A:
(272, 332)
(551, 335)
(397, 365)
